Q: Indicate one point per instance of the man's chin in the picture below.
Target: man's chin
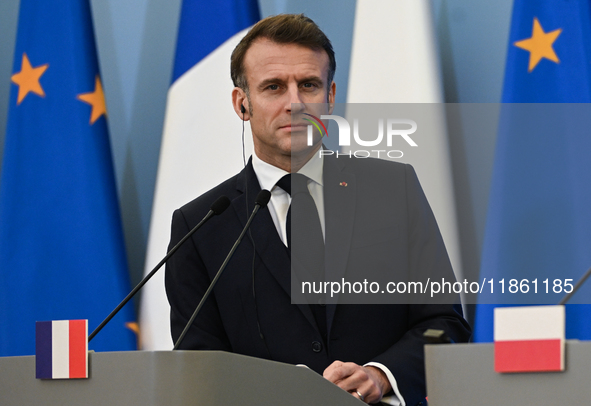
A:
(299, 143)
(304, 151)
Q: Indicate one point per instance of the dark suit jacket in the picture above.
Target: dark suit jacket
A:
(381, 209)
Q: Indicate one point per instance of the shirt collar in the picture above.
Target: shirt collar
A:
(268, 175)
(313, 168)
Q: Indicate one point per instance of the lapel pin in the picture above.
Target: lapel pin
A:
(344, 184)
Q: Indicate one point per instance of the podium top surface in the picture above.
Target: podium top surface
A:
(171, 378)
(463, 374)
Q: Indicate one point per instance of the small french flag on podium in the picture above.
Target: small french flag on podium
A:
(529, 339)
(61, 349)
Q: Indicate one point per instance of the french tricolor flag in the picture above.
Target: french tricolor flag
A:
(529, 339)
(62, 349)
(198, 105)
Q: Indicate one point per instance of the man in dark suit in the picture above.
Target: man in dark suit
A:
(365, 207)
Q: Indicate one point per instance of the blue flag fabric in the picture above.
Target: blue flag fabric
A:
(539, 219)
(205, 25)
(62, 253)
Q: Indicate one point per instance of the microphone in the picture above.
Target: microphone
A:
(577, 286)
(259, 203)
(433, 336)
(218, 207)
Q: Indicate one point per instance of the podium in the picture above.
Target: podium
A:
(463, 374)
(171, 378)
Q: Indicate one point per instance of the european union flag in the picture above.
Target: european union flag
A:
(539, 219)
(61, 245)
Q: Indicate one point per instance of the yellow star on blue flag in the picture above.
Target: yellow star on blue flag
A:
(539, 45)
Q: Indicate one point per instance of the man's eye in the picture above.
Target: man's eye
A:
(273, 87)
(310, 86)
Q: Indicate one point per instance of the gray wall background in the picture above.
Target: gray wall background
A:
(136, 41)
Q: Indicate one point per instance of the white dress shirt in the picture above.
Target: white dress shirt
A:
(268, 176)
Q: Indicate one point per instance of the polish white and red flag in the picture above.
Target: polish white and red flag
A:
(61, 349)
(529, 339)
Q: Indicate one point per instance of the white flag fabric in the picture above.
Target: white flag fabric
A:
(201, 143)
(394, 59)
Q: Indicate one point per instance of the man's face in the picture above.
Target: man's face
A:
(279, 75)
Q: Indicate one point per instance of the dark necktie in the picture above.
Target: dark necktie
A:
(304, 237)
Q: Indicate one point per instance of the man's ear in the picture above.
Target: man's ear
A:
(240, 103)
(331, 97)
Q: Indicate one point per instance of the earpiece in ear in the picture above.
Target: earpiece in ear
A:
(242, 109)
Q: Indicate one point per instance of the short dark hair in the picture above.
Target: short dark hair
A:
(282, 29)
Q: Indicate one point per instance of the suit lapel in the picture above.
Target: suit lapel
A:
(268, 245)
(339, 211)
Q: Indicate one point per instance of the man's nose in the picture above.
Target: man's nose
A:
(294, 100)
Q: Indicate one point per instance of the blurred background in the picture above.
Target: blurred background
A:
(136, 42)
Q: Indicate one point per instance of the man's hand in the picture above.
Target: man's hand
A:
(370, 382)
